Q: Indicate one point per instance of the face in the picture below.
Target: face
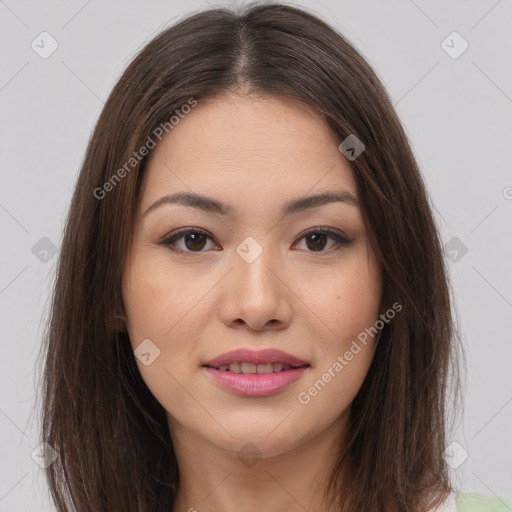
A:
(244, 270)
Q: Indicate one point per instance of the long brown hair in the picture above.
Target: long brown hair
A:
(111, 434)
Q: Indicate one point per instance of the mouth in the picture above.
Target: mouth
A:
(255, 373)
(250, 368)
(249, 361)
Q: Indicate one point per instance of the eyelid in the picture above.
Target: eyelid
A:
(335, 233)
(183, 231)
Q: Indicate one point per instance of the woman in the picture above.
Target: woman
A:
(251, 310)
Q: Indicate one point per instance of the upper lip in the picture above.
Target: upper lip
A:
(265, 356)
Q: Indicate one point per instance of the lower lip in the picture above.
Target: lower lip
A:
(263, 384)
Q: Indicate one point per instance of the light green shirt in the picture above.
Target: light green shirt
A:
(472, 502)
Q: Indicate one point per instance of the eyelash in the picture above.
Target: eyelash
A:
(171, 238)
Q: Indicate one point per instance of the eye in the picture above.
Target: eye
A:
(194, 240)
(316, 239)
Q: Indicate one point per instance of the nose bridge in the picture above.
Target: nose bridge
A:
(256, 295)
(253, 264)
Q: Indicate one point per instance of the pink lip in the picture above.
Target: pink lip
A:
(265, 384)
(266, 356)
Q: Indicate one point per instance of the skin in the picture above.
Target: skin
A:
(255, 154)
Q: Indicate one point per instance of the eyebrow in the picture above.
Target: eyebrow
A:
(210, 205)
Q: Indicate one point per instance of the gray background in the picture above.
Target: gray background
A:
(456, 111)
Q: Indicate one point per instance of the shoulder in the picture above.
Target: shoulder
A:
(472, 502)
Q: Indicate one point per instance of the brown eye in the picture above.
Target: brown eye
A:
(316, 240)
(192, 241)
(195, 241)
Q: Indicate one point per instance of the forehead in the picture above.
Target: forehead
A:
(248, 149)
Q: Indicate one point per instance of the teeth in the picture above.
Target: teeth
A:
(235, 368)
(251, 368)
(248, 368)
(265, 368)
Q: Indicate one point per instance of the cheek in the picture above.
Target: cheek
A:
(345, 305)
(158, 301)
(172, 308)
(340, 313)
(160, 307)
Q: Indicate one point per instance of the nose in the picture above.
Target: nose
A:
(257, 295)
